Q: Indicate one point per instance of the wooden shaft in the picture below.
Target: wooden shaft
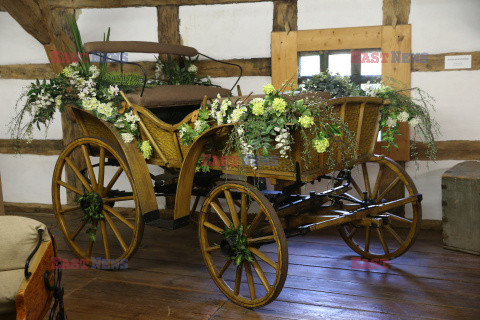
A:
(361, 213)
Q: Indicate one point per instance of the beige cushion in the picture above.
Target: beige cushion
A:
(175, 95)
(18, 238)
(9, 284)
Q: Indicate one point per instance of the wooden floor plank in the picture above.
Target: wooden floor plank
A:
(167, 279)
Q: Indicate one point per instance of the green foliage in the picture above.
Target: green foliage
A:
(178, 71)
(415, 109)
(91, 204)
(239, 240)
(334, 84)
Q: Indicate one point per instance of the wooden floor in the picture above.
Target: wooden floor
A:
(166, 279)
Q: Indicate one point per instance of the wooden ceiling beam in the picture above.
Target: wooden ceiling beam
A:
(78, 4)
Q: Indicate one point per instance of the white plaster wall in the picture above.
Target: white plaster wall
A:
(17, 46)
(27, 178)
(134, 24)
(440, 26)
(247, 84)
(456, 102)
(428, 178)
(228, 31)
(314, 14)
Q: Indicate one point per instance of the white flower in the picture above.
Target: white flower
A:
(90, 103)
(414, 122)
(94, 71)
(113, 91)
(127, 137)
(225, 104)
(219, 117)
(158, 69)
(119, 124)
(58, 101)
(403, 116)
(192, 68)
(133, 127)
(237, 114)
(105, 109)
(391, 122)
(131, 118)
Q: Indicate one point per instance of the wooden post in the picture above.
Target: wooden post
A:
(2, 207)
(395, 12)
(284, 20)
(168, 32)
(285, 15)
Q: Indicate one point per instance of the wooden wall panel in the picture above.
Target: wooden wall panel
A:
(340, 38)
(42, 147)
(451, 150)
(436, 62)
(284, 58)
(168, 24)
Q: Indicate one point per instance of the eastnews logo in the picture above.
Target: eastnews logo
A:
(392, 57)
(97, 263)
(365, 264)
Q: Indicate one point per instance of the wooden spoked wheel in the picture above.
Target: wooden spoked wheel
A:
(256, 228)
(389, 234)
(119, 228)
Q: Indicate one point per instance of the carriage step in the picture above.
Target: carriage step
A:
(157, 219)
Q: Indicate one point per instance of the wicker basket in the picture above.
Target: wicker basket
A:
(361, 114)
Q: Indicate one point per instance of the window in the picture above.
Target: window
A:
(362, 65)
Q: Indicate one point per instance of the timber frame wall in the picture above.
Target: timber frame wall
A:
(395, 12)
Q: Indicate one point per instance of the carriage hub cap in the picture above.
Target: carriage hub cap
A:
(91, 204)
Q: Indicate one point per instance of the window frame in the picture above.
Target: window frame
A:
(287, 45)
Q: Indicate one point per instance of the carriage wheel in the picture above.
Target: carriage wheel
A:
(387, 235)
(96, 231)
(243, 244)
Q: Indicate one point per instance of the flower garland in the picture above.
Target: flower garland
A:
(415, 109)
(85, 90)
(264, 124)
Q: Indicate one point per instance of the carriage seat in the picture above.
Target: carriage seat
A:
(18, 295)
(175, 95)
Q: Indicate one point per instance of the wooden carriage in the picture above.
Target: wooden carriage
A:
(236, 219)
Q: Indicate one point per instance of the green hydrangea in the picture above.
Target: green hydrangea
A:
(257, 107)
(268, 88)
(306, 121)
(146, 149)
(279, 105)
(321, 145)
